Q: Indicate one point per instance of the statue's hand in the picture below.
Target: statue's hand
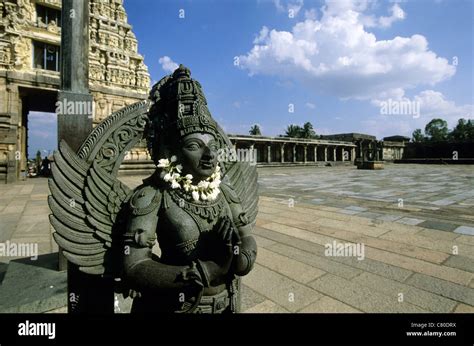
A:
(225, 237)
(226, 233)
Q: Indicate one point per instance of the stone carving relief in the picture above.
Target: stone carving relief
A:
(22, 52)
(118, 64)
(5, 53)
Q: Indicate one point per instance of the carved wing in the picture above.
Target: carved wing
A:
(86, 197)
(85, 203)
(242, 177)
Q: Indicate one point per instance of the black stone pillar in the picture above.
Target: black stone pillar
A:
(75, 101)
(86, 293)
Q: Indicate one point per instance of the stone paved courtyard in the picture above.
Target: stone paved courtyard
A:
(416, 223)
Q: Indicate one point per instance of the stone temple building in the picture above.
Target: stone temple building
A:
(30, 44)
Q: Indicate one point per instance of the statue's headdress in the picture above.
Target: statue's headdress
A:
(178, 108)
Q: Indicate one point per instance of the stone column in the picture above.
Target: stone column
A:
(315, 153)
(334, 153)
(294, 153)
(93, 293)
(325, 154)
(342, 152)
(353, 152)
(250, 154)
(282, 152)
(305, 153)
(269, 153)
(74, 128)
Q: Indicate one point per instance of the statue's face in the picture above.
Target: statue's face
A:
(199, 155)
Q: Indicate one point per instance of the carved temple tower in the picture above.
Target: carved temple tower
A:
(30, 43)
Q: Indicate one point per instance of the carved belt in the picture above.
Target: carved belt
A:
(214, 304)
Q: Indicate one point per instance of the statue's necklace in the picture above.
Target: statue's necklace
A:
(204, 213)
(205, 190)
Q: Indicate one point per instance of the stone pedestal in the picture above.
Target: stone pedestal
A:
(370, 165)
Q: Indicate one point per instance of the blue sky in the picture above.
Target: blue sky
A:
(336, 62)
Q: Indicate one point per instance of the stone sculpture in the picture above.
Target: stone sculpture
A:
(200, 211)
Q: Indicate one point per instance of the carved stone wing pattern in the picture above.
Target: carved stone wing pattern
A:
(243, 178)
(86, 197)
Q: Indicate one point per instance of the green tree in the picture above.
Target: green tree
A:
(437, 130)
(464, 131)
(470, 130)
(293, 131)
(255, 130)
(417, 136)
(307, 131)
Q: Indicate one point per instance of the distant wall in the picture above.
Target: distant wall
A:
(438, 150)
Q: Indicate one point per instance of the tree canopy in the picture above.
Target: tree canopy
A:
(437, 131)
(297, 131)
(255, 130)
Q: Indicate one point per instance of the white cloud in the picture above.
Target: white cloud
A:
(310, 105)
(167, 64)
(337, 55)
(397, 14)
(261, 36)
(432, 104)
(292, 7)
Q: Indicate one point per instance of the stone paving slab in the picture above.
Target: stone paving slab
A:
(425, 242)
(359, 296)
(329, 305)
(250, 298)
(443, 288)
(42, 288)
(319, 262)
(442, 226)
(287, 293)
(266, 307)
(415, 296)
(447, 273)
(460, 262)
(295, 270)
(463, 308)
(465, 230)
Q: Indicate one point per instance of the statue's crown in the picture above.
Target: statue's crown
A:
(178, 103)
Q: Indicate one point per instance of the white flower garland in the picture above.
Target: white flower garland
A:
(206, 190)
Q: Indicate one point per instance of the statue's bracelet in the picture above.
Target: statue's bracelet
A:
(191, 274)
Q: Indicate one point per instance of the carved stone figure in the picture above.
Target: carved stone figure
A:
(199, 211)
(21, 51)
